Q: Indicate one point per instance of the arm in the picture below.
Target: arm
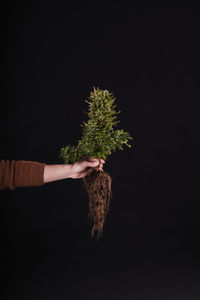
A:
(75, 171)
(30, 173)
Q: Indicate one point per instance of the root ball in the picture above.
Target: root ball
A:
(98, 187)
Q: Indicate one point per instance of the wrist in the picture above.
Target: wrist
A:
(67, 171)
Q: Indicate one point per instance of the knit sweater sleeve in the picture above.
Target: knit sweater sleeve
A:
(21, 173)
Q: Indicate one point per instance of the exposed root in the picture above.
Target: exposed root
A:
(98, 187)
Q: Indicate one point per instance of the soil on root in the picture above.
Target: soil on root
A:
(98, 187)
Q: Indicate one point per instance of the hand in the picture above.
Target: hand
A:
(82, 168)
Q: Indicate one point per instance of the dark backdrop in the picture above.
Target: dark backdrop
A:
(53, 55)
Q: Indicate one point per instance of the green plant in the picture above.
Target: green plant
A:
(98, 140)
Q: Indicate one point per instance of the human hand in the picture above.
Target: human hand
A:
(82, 168)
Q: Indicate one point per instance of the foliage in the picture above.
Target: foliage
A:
(99, 138)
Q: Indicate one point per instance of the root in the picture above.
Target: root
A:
(98, 187)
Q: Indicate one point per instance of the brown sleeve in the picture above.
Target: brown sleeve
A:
(21, 173)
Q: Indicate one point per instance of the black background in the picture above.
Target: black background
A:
(53, 54)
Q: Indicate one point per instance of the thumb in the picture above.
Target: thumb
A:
(92, 164)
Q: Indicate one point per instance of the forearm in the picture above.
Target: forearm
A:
(57, 172)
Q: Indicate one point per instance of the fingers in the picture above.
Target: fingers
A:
(92, 164)
(94, 159)
(96, 163)
(100, 167)
(100, 160)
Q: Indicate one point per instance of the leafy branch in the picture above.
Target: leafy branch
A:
(99, 138)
